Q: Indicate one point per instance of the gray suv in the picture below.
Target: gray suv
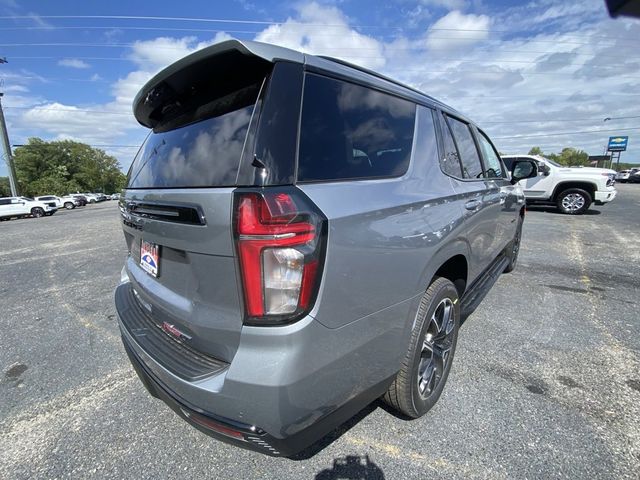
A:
(305, 236)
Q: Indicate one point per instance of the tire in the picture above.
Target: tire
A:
(424, 372)
(514, 248)
(69, 205)
(37, 212)
(573, 201)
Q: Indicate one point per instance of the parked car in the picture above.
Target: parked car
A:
(238, 308)
(67, 202)
(571, 189)
(91, 198)
(80, 200)
(623, 176)
(634, 176)
(115, 196)
(24, 206)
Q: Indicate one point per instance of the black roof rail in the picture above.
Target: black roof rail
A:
(376, 74)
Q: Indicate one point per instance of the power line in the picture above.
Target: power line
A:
(566, 133)
(461, 60)
(123, 45)
(534, 52)
(553, 120)
(260, 22)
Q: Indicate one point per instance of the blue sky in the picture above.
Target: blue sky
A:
(543, 73)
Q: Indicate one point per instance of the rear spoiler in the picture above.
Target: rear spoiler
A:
(207, 73)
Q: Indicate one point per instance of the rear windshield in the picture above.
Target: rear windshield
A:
(202, 154)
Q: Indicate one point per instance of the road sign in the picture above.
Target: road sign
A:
(617, 144)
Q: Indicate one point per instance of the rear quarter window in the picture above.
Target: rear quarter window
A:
(352, 132)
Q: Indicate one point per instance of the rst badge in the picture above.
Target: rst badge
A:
(150, 257)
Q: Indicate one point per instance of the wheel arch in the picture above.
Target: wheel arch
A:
(450, 262)
(589, 187)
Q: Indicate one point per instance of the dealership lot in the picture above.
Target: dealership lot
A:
(546, 380)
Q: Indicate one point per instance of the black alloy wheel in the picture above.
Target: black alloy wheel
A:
(37, 212)
(425, 368)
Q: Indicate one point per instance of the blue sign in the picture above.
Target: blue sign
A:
(618, 144)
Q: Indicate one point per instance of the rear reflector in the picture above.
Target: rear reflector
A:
(213, 425)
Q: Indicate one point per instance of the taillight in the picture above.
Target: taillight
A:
(280, 240)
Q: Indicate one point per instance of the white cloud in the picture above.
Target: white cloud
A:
(338, 39)
(69, 121)
(39, 21)
(73, 63)
(152, 55)
(456, 30)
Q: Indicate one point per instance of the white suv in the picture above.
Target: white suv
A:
(23, 207)
(67, 202)
(571, 189)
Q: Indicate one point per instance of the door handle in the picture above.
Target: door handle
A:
(472, 204)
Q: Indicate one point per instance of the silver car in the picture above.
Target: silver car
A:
(305, 236)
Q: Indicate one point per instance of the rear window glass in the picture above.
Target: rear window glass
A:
(349, 131)
(451, 161)
(202, 154)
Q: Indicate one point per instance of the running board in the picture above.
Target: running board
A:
(479, 289)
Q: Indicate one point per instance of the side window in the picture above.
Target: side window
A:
(451, 161)
(349, 131)
(5, 201)
(469, 158)
(493, 167)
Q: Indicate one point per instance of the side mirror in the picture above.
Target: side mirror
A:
(522, 169)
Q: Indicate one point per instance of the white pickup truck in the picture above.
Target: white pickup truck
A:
(571, 189)
(24, 207)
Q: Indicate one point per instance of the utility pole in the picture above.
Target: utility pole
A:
(4, 137)
(7, 152)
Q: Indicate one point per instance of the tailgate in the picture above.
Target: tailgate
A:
(195, 289)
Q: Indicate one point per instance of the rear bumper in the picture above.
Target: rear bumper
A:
(285, 388)
(603, 196)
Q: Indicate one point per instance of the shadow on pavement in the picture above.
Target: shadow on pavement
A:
(352, 467)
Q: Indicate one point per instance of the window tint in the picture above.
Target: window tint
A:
(492, 165)
(5, 201)
(202, 154)
(471, 166)
(349, 131)
(451, 161)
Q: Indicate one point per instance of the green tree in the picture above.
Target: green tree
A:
(5, 187)
(536, 151)
(572, 157)
(65, 166)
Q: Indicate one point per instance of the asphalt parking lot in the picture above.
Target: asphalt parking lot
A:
(545, 384)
